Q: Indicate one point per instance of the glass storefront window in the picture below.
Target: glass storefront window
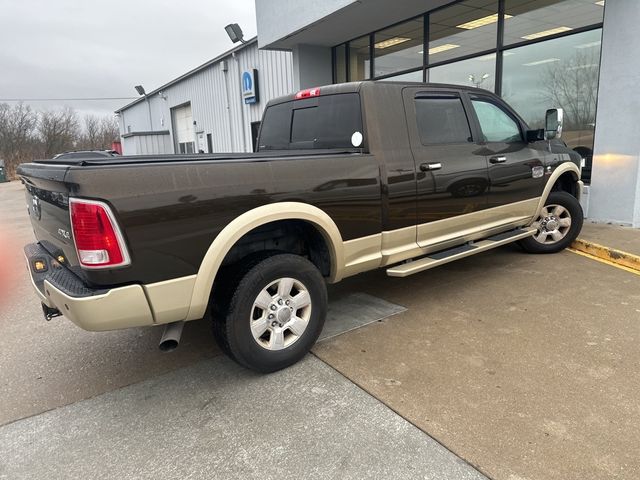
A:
(359, 59)
(462, 29)
(406, 77)
(475, 72)
(562, 72)
(530, 20)
(399, 47)
(341, 63)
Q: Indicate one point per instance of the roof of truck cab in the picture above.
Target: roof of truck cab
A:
(355, 87)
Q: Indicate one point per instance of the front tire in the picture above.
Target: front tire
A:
(275, 314)
(557, 226)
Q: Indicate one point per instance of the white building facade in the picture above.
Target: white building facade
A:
(576, 54)
(215, 107)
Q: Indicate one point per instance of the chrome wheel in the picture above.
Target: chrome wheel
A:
(280, 314)
(552, 225)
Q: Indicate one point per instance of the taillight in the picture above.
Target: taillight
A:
(98, 240)
(310, 92)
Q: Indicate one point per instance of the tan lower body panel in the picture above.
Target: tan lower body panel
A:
(170, 300)
(118, 308)
(472, 226)
(387, 248)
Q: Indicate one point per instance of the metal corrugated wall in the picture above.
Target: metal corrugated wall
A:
(216, 100)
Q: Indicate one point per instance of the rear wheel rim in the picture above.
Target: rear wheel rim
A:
(552, 225)
(280, 314)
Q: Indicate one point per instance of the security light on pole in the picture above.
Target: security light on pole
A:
(140, 90)
(235, 33)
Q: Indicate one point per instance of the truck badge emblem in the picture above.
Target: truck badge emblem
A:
(537, 172)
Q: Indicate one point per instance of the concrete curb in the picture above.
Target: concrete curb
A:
(618, 257)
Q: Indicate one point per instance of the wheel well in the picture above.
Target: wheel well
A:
(567, 182)
(284, 236)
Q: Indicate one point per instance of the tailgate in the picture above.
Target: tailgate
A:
(47, 198)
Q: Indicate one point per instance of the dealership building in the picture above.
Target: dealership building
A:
(215, 107)
(536, 54)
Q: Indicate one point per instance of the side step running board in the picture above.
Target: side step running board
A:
(456, 253)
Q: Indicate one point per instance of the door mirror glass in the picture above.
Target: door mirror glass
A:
(553, 123)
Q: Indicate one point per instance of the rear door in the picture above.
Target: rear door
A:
(452, 176)
(516, 167)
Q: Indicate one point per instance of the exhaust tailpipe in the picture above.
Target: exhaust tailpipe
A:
(171, 336)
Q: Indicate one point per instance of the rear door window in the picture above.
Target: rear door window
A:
(324, 122)
(441, 119)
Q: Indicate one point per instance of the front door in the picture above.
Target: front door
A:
(451, 170)
(516, 167)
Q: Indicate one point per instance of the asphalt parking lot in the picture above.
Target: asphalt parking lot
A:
(507, 365)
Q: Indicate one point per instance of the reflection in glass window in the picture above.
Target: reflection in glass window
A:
(399, 47)
(474, 72)
(341, 63)
(441, 119)
(495, 123)
(359, 59)
(462, 29)
(537, 19)
(556, 73)
(406, 77)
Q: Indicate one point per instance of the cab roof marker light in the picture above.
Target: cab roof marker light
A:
(308, 93)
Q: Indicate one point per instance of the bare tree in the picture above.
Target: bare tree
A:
(17, 128)
(26, 134)
(109, 131)
(58, 131)
(98, 134)
(573, 86)
(90, 138)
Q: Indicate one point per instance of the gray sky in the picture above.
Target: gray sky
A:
(102, 48)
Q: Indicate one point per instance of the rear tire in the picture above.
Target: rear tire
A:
(557, 226)
(275, 312)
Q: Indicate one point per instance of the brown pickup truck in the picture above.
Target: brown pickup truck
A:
(347, 178)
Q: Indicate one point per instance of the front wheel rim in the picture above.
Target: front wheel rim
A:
(280, 314)
(553, 224)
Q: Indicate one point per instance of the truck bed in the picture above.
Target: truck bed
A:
(202, 157)
(171, 207)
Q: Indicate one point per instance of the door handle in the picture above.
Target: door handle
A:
(500, 159)
(426, 167)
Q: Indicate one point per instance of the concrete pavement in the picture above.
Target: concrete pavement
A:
(217, 420)
(626, 239)
(523, 365)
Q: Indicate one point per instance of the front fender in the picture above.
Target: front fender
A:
(555, 175)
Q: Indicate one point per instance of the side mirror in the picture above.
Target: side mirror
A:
(553, 123)
(535, 135)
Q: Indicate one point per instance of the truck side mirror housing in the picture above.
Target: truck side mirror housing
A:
(553, 123)
(535, 135)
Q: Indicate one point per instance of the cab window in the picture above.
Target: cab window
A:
(325, 122)
(441, 119)
(496, 124)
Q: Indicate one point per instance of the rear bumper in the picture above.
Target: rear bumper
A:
(90, 309)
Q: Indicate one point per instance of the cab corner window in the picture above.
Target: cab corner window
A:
(496, 124)
(441, 119)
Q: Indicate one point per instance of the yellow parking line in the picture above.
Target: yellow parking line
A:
(602, 260)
